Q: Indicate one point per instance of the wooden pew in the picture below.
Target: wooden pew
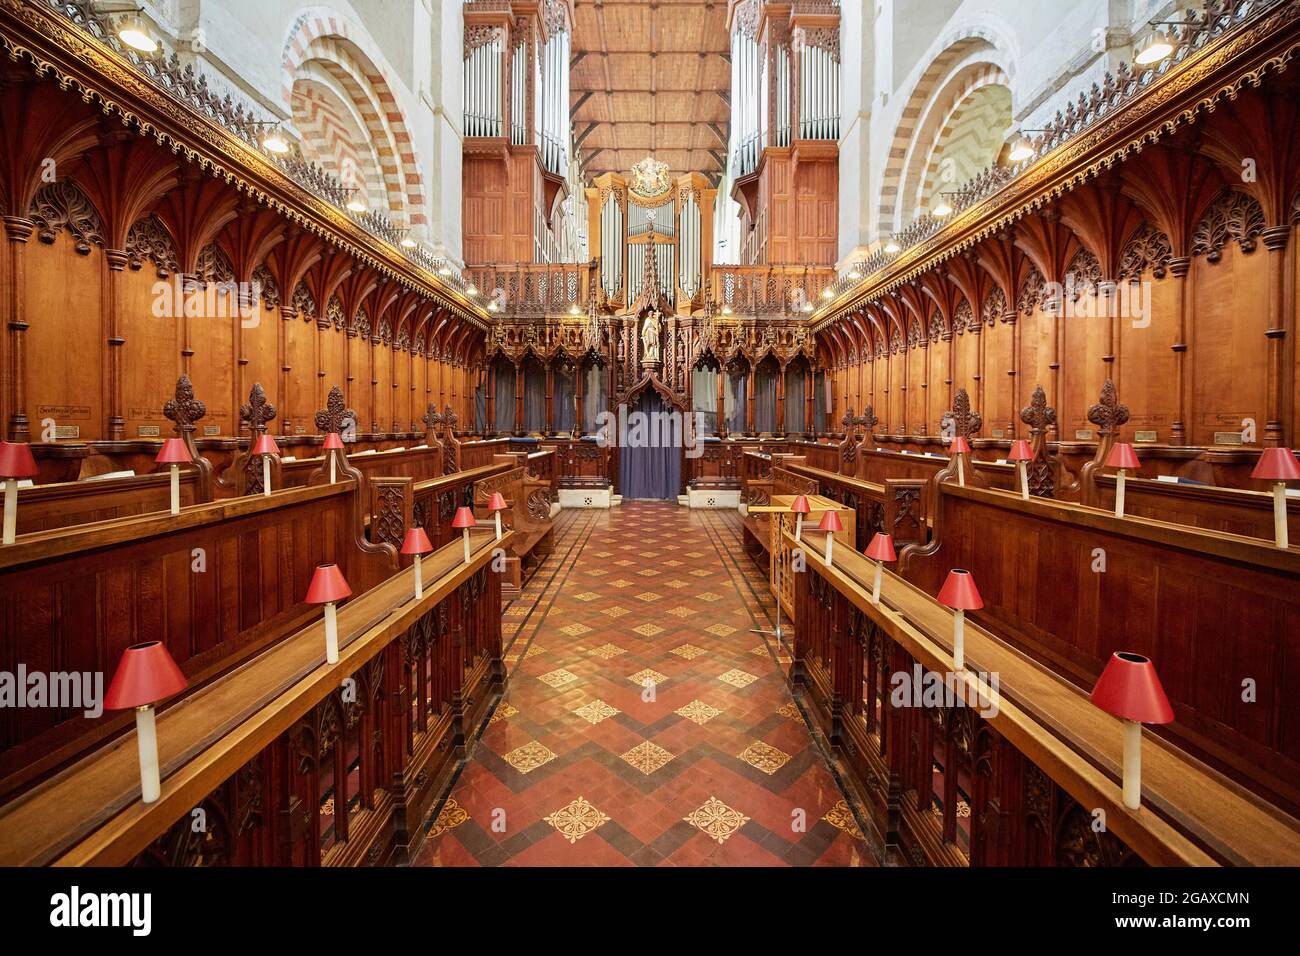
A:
(1069, 584)
(216, 583)
(268, 752)
(1031, 772)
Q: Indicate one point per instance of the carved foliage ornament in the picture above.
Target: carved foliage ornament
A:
(961, 420)
(1149, 249)
(335, 416)
(184, 409)
(1108, 414)
(257, 411)
(1235, 215)
(61, 205)
(149, 239)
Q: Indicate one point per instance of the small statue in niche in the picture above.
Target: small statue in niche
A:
(650, 339)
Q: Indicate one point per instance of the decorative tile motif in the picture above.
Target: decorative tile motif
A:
(759, 651)
(649, 573)
(647, 757)
(841, 817)
(720, 629)
(709, 596)
(597, 572)
(648, 596)
(697, 711)
(676, 585)
(575, 820)
(764, 757)
(647, 676)
(576, 629)
(688, 651)
(737, 678)
(790, 711)
(716, 820)
(620, 583)
(681, 612)
(558, 677)
(606, 651)
(701, 572)
(587, 596)
(615, 611)
(596, 711)
(648, 554)
(625, 563)
(450, 816)
(529, 757)
(648, 630)
(504, 711)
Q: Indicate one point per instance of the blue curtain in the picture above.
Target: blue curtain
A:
(505, 397)
(765, 396)
(794, 398)
(563, 399)
(821, 400)
(480, 410)
(704, 397)
(733, 400)
(534, 397)
(594, 400)
(656, 471)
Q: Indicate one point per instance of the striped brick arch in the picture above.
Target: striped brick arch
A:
(969, 138)
(968, 60)
(345, 109)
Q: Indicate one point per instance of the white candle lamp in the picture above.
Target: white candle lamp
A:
(1130, 690)
(328, 587)
(175, 454)
(145, 675)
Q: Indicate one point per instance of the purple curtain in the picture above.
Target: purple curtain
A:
(794, 397)
(765, 396)
(651, 472)
(534, 397)
(505, 397)
(563, 400)
(734, 400)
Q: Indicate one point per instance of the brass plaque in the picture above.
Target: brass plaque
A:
(67, 431)
(149, 431)
(1227, 438)
(1146, 436)
(998, 432)
(211, 430)
(1083, 434)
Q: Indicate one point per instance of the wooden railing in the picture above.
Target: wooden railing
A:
(775, 289)
(1068, 584)
(532, 289)
(581, 464)
(216, 584)
(289, 760)
(1013, 773)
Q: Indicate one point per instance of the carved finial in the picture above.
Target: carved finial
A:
(335, 415)
(1038, 415)
(184, 409)
(449, 419)
(960, 420)
(1108, 414)
(432, 420)
(257, 411)
(867, 419)
(848, 421)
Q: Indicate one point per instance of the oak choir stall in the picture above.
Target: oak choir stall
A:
(279, 416)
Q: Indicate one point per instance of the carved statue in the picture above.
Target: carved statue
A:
(650, 339)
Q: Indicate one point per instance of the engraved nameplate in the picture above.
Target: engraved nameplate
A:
(998, 432)
(300, 430)
(1083, 434)
(1227, 438)
(66, 431)
(1146, 436)
(64, 411)
(211, 430)
(149, 431)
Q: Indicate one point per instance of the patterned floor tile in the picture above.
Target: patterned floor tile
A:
(708, 774)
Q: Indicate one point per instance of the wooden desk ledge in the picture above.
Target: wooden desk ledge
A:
(1260, 552)
(1191, 814)
(91, 814)
(39, 546)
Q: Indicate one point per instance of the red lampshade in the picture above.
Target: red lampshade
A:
(800, 506)
(1129, 688)
(416, 542)
(1021, 451)
(1123, 456)
(327, 585)
(333, 442)
(959, 444)
(1277, 464)
(464, 518)
(497, 502)
(146, 674)
(16, 460)
(959, 592)
(265, 445)
(174, 452)
(881, 548)
(831, 522)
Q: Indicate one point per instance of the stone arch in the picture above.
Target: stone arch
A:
(964, 60)
(326, 49)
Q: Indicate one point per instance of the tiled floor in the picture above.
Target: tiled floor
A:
(645, 723)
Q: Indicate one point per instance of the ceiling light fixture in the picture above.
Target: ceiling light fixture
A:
(275, 142)
(1155, 48)
(943, 210)
(892, 246)
(134, 32)
(354, 203)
